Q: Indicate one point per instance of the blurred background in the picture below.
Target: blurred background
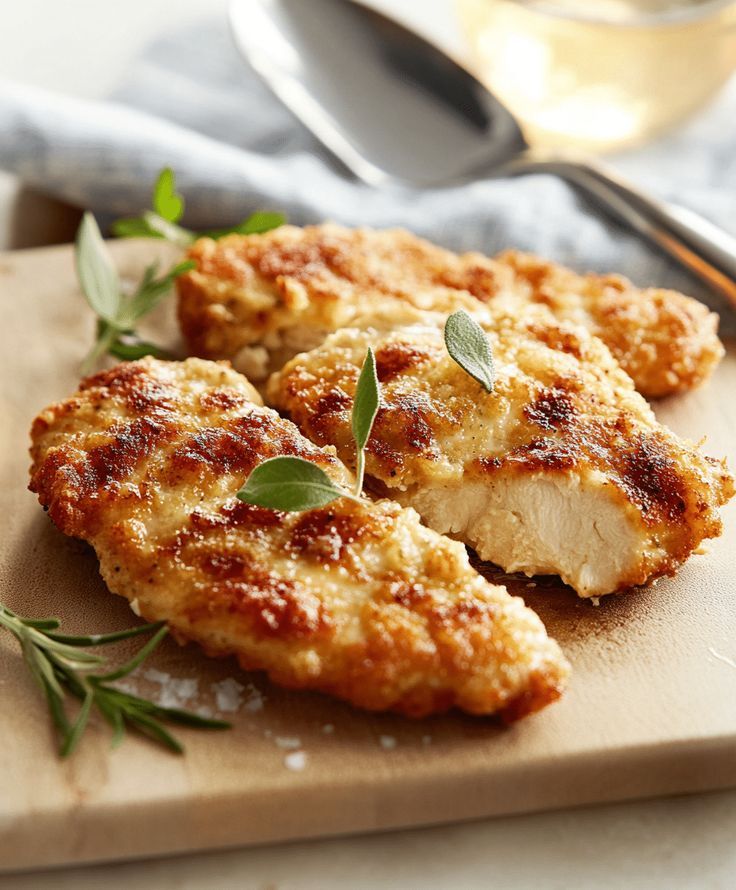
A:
(604, 75)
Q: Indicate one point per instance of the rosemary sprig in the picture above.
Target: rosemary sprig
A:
(162, 221)
(63, 669)
(293, 484)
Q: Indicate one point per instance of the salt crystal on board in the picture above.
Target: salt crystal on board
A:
(254, 701)
(328, 728)
(387, 742)
(288, 742)
(228, 694)
(174, 691)
(295, 760)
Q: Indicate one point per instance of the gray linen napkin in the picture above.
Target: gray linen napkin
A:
(191, 103)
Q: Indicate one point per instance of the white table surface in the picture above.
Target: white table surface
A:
(82, 47)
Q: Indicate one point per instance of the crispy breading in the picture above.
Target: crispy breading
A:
(259, 299)
(356, 599)
(562, 469)
(665, 341)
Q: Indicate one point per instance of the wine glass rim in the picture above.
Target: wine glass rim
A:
(689, 13)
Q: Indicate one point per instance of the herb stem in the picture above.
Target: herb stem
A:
(105, 340)
(359, 472)
(62, 669)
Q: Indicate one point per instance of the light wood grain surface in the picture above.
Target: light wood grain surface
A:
(651, 709)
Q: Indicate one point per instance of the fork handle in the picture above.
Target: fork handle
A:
(693, 241)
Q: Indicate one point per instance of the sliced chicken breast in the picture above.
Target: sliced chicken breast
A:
(356, 599)
(562, 469)
(259, 299)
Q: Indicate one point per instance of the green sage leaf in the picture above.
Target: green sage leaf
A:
(365, 407)
(468, 345)
(290, 484)
(97, 275)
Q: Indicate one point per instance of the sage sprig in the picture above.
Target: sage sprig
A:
(117, 314)
(63, 670)
(162, 221)
(468, 345)
(365, 407)
(292, 484)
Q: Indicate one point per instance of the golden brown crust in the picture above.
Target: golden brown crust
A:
(562, 413)
(259, 299)
(665, 341)
(355, 599)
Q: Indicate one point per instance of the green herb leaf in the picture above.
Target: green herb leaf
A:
(133, 227)
(256, 224)
(149, 295)
(168, 208)
(129, 348)
(100, 639)
(365, 407)
(166, 202)
(61, 670)
(97, 275)
(290, 484)
(170, 231)
(117, 315)
(468, 345)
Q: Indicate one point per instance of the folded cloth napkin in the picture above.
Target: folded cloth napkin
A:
(192, 104)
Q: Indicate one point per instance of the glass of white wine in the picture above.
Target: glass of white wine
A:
(601, 74)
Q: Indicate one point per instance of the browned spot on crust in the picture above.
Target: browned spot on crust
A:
(325, 535)
(143, 394)
(222, 400)
(237, 514)
(552, 409)
(481, 279)
(302, 260)
(241, 444)
(536, 696)
(271, 605)
(652, 479)
(407, 414)
(395, 358)
(334, 401)
(558, 338)
(542, 454)
(132, 443)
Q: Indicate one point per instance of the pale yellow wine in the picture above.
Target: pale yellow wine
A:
(601, 73)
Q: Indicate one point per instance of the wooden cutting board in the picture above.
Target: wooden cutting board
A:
(651, 708)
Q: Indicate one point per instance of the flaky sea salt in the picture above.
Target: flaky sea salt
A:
(295, 760)
(426, 739)
(288, 742)
(174, 692)
(328, 728)
(155, 676)
(254, 699)
(387, 742)
(228, 694)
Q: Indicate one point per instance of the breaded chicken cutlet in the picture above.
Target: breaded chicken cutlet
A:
(562, 469)
(356, 599)
(260, 299)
